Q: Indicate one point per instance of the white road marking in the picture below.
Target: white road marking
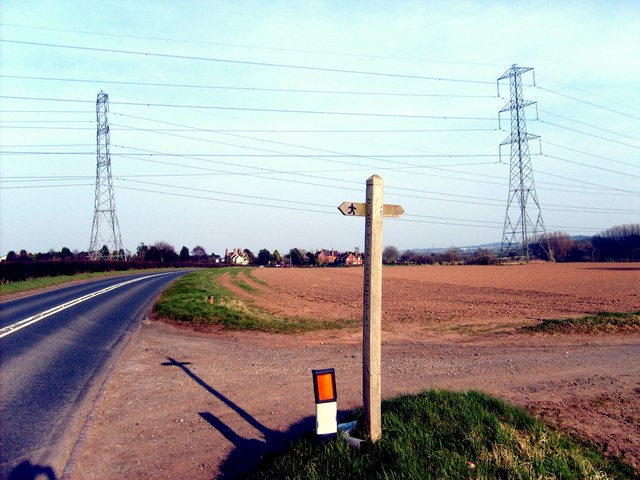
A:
(8, 330)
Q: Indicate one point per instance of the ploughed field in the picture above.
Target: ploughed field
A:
(455, 298)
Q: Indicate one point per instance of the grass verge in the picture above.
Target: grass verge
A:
(603, 322)
(187, 300)
(46, 282)
(441, 434)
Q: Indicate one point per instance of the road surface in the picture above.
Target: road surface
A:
(55, 349)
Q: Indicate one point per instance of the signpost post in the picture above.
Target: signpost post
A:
(373, 211)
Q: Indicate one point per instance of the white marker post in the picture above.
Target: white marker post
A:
(373, 211)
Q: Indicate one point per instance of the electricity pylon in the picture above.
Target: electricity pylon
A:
(523, 224)
(105, 230)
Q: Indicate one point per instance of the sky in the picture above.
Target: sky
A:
(245, 124)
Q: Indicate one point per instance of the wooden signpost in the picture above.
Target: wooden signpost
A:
(373, 211)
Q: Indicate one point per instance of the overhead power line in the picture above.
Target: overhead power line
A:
(47, 128)
(273, 130)
(57, 112)
(191, 128)
(592, 184)
(244, 62)
(256, 89)
(256, 47)
(402, 164)
(596, 127)
(46, 186)
(331, 208)
(331, 211)
(621, 162)
(582, 164)
(602, 107)
(592, 135)
(249, 109)
(595, 95)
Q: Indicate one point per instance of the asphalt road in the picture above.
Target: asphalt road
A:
(50, 365)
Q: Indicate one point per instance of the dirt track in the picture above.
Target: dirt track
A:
(182, 404)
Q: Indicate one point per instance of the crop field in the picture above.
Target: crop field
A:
(453, 298)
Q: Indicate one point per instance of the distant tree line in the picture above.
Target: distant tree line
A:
(24, 265)
(451, 256)
(616, 244)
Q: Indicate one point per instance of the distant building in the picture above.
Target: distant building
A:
(348, 259)
(236, 257)
(326, 257)
(338, 259)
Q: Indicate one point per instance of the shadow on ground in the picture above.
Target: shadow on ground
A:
(247, 452)
(28, 471)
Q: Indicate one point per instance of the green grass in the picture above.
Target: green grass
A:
(46, 282)
(249, 273)
(435, 434)
(603, 322)
(187, 300)
(235, 273)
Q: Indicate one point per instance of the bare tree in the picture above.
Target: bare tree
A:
(561, 245)
(199, 252)
(408, 256)
(390, 254)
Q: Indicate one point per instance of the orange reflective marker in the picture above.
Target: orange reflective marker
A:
(324, 388)
(324, 385)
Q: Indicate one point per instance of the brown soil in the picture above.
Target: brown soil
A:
(209, 404)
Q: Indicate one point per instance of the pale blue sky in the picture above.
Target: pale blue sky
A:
(428, 125)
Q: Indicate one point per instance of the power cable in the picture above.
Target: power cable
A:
(244, 62)
(589, 125)
(249, 109)
(629, 164)
(268, 141)
(47, 186)
(257, 47)
(588, 93)
(587, 183)
(587, 102)
(256, 89)
(592, 135)
(318, 130)
(332, 211)
(582, 164)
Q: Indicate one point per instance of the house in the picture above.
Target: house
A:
(326, 257)
(236, 257)
(349, 259)
(338, 259)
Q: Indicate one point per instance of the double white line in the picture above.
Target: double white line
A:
(8, 330)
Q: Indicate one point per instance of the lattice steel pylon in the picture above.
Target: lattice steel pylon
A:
(105, 230)
(520, 230)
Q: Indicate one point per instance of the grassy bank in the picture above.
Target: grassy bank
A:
(200, 298)
(603, 322)
(441, 434)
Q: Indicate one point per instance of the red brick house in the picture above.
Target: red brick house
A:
(349, 258)
(326, 257)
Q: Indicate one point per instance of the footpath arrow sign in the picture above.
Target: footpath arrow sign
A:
(355, 209)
